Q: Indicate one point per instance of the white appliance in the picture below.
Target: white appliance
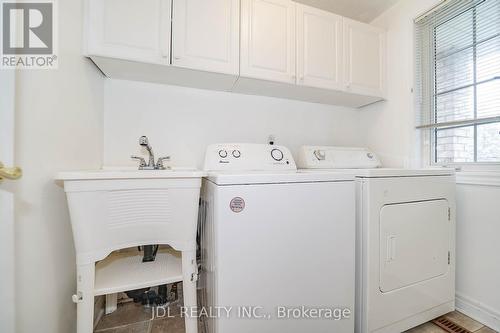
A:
(405, 253)
(274, 241)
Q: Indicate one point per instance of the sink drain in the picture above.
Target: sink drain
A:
(449, 326)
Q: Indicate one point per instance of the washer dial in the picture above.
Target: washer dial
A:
(223, 153)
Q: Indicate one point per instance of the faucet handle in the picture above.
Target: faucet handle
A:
(142, 161)
(159, 163)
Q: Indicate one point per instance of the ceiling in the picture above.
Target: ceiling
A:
(361, 10)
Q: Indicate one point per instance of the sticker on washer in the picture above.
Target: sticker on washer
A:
(237, 204)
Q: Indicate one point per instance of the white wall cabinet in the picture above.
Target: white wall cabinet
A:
(364, 58)
(262, 47)
(319, 48)
(268, 40)
(205, 35)
(129, 29)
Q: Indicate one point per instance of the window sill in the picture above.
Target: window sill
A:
(482, 178)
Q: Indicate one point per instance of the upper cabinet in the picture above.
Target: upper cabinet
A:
(205, 35)
(364, 58)
(268, 40)
(263, 47)
(319, 48)
(129, 29)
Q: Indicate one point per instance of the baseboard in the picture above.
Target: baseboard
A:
(478, 311)
(417, 319)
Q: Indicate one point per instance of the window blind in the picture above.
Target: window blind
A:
(458, 80)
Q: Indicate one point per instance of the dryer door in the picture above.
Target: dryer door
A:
(414, 243)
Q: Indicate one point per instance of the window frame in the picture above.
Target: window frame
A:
(428, 136)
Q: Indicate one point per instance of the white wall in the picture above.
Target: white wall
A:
(478, 248)
(59, 127)
(181, 121)
(389, 126)
(7, 279)
(389, 130)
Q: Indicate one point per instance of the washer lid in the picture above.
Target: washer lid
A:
(256, 177)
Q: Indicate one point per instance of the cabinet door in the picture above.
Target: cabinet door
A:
(268, 40)
(319, 48)
(129, 29)
(364, 56)
(205, 35)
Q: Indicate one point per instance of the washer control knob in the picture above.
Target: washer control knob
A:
(223, 153)
(277, 154)
(236, 153)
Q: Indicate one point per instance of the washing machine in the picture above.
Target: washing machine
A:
(277, 254)
(405, 238)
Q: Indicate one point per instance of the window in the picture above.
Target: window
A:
(458, 81)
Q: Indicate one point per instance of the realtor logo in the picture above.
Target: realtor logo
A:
(28, 34)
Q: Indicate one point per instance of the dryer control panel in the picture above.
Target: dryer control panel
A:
(329, 157)
(248, 157)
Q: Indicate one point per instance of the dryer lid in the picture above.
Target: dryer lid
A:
(394, 172)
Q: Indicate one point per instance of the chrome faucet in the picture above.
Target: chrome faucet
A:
(144, 142)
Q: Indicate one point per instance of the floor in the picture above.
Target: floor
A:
(134, 318)
(457, 318)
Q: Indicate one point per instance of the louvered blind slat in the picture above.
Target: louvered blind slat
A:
(458, 80)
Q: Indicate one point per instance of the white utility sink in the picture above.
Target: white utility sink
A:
(129, 173)
(112, 209)
(115, 209)
(122, 208)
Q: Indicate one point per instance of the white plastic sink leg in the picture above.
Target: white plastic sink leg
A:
(111, 303)
(85, 275)
(189, 273)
